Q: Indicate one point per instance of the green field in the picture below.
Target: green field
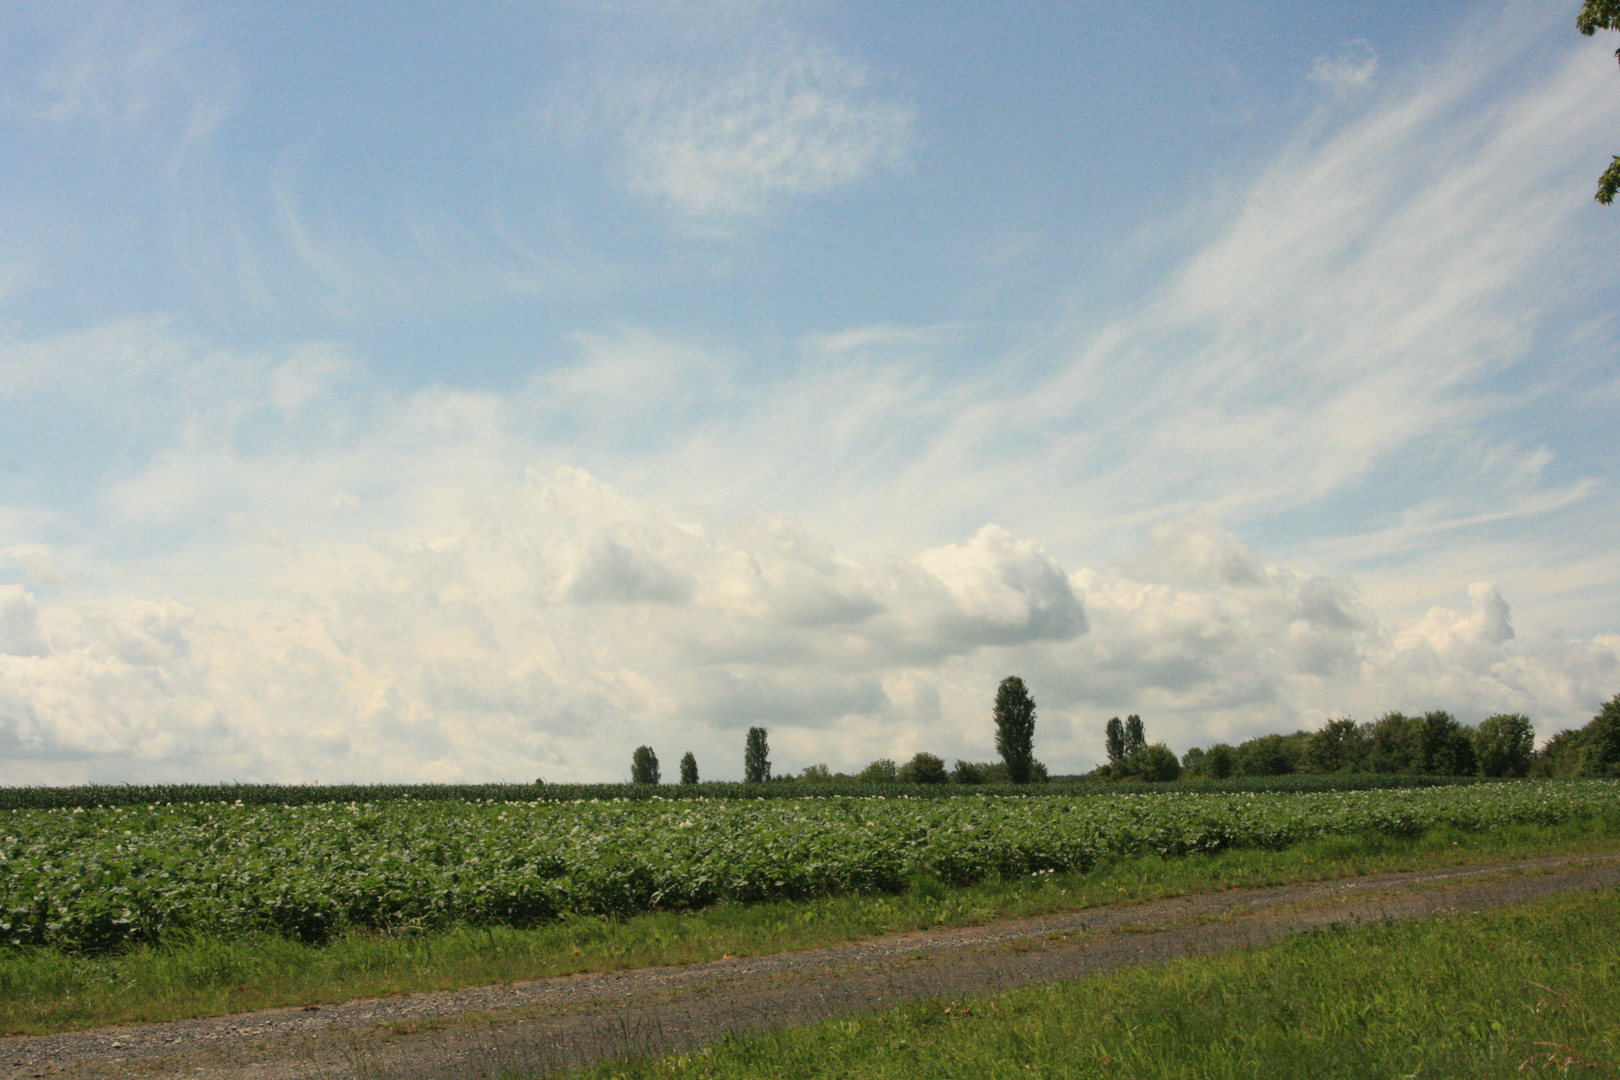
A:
(99, 879)
(211, 972)
(90, 796)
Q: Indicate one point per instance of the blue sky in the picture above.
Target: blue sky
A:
(402, 392)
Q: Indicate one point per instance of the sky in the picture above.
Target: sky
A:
(419, 392)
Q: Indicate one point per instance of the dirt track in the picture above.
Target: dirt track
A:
(582, 1018)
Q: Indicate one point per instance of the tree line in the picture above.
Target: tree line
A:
(1013, 715)
(1434, 744)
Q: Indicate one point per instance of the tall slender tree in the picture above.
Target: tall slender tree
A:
(1114, 741)
(1015, 728)
(756, 765)
(644, 766)
(1135, 736)
(689, 769)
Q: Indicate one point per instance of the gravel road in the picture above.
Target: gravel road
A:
(556, 1023)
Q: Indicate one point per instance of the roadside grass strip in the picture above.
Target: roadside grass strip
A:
(200, 974)
(100, 879)
(1520, 991)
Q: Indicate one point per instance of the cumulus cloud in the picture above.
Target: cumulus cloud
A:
(1196, 549)
(545, 624)
(451, 584)
(1354, 345)
(1472, 639)
(1004, 590)
(19, 623)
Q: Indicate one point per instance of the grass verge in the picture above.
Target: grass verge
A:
(1525, 990)
(44, 991)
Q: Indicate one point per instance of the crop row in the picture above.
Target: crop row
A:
(91, 879)
(103, 795)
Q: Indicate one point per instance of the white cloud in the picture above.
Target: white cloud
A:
(465, 622)
(102, 361)
(1471, 638)
(281, 584)
(19, 623)
(1355, 341)
(129, 67)
(1352, 70)
(1006, 590)
(776, 126)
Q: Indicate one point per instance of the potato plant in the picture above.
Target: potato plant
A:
(99, 878)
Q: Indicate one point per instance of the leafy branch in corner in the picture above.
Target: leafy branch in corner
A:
(1603, 15)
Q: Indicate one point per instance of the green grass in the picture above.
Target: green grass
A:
(43, 990)
(1527, 990)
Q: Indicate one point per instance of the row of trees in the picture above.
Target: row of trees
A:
(644, 767)
(756, 762)
(1013, 714)
(923, 768)
(1591, 750)
(1434, 744)
(1131, 756)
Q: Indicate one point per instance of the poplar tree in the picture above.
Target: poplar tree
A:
(644, 766)
(1114, 741)
(1015, 728)
(1135, 736)
(689, 769)
(756, 766)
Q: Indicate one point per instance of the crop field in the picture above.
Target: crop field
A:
(104, 795)
(96, 879)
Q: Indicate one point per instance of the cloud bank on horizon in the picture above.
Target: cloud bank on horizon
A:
(488, 397)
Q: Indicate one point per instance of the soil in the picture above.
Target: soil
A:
(553, 1024)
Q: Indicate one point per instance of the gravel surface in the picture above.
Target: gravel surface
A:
(564, 1022)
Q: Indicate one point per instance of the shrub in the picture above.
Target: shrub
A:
(967, 772)
(1154, 762)
(923, 768)
(1266, 756)
(881, 771)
